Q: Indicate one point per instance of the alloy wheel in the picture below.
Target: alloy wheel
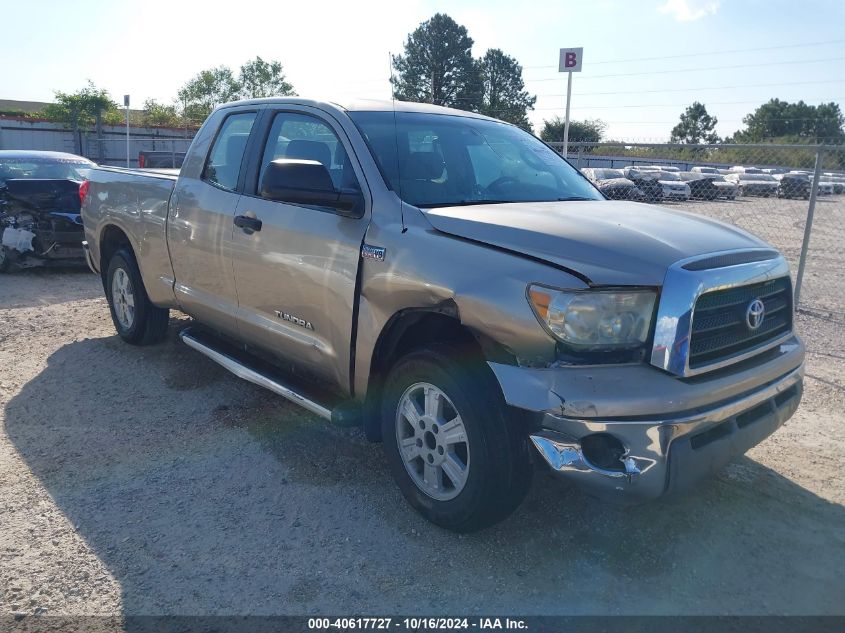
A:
(432, 441)
(123, 298)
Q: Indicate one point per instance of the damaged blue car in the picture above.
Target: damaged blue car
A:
(39, 208)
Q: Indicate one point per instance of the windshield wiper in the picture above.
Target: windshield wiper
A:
(468, 203)
(462, 203)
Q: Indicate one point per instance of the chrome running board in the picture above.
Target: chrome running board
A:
(241, 370)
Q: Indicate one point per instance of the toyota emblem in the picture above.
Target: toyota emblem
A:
(755, 314)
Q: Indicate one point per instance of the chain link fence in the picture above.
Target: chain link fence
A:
(792, 196)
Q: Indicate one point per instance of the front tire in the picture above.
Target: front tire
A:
(454, 449)
(135, 318)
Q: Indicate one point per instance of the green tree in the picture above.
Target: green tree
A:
(69, 109)
(207, 90)
(81, 109)
(785, 122)
(696, 126)
(827, 126)
(588, 131)
(437, 66)
(263, 79)
(503, 93)
(156, 113)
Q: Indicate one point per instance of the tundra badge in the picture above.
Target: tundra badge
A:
(284, 316)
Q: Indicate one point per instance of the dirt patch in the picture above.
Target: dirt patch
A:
(148, 481)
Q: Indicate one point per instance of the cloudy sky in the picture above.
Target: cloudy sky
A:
(644, 60)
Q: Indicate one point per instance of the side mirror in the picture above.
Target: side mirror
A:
(307, 182)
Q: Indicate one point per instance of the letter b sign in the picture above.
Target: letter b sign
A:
(570, 60)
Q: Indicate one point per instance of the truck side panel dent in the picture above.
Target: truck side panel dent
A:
(409, 329)
(426, 270)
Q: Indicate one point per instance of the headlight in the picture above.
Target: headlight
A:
(595, 319)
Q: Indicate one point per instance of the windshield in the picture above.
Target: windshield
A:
(29, 167)
(435, 160)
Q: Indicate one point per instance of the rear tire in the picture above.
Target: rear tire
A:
(465, 462)
(135, 318)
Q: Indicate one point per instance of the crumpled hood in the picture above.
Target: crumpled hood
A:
(610, 243)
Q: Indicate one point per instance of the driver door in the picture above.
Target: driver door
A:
(296, 276)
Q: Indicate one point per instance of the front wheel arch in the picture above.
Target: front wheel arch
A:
(418, 328)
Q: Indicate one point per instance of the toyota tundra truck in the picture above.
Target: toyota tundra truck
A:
(454, 286)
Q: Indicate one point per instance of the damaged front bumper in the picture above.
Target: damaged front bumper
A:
(634, 433)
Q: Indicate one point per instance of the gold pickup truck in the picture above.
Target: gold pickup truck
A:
(454, 286)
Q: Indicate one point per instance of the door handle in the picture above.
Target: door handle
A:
(248, 222)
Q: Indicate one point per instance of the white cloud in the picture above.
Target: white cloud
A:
(689, 10)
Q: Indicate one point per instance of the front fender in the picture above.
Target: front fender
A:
(424, 269)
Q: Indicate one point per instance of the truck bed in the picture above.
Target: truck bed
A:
(136, 201)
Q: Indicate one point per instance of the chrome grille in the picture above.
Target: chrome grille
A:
(719, 327)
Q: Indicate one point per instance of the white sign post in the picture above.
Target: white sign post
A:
(126, 105)
(570, 62)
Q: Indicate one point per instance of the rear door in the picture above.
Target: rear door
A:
(199, 228)
(296, 276)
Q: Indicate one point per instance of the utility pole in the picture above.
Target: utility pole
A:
(126, 105)
(566, 123)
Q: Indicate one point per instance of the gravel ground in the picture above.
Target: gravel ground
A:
(150, 481)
